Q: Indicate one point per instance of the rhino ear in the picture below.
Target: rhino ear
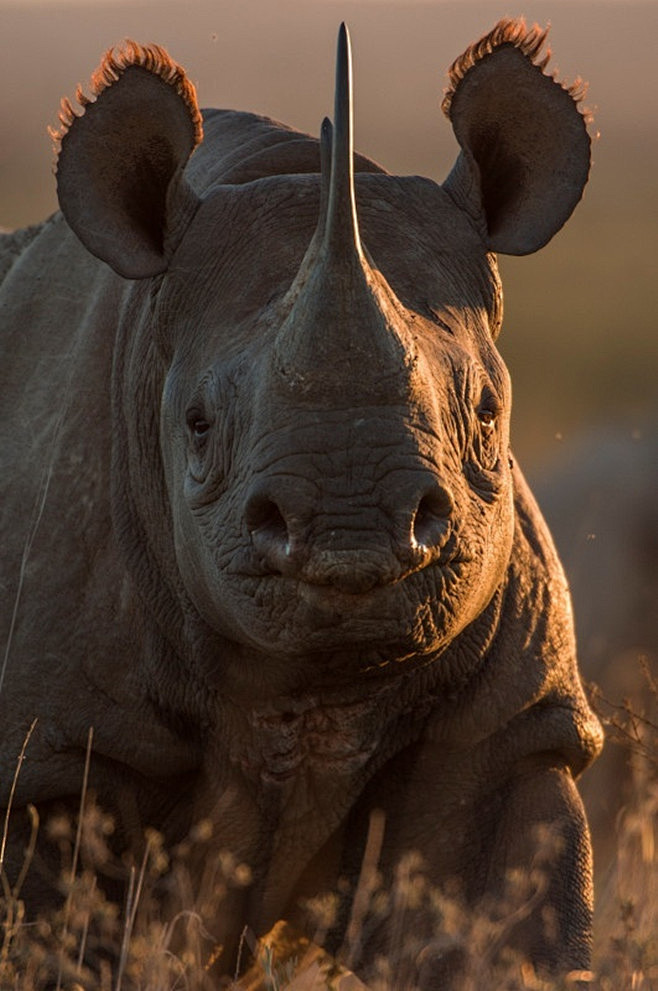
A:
(525, 148)
(120, 161)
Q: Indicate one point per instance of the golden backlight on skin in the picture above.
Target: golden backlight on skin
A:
(278, 524)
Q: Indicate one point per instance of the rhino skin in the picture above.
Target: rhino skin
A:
(261, 529)
(612, 571)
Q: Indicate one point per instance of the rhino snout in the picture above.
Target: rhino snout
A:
(356, 548)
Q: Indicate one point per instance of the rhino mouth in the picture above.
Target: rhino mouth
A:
(355, 585)
(412, 614)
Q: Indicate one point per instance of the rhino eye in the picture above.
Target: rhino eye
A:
(488, 409)
(197, 424)
(200, 428)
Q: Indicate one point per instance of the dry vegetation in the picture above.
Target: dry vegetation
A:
(576, 357)
(94, 944)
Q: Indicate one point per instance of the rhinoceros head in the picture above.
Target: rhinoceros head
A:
(334, 414)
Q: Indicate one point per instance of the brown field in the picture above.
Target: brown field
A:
(580, 336)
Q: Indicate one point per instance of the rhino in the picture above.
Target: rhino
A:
(613, 577)
(262, 531)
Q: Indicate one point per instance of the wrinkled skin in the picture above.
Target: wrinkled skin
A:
(284, 565)
(339, 462)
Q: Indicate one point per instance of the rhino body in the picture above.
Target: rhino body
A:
(261, 529)
(613, 578)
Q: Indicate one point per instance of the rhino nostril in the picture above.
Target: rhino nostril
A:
(268, 530)
(430, 522)
(263, 512)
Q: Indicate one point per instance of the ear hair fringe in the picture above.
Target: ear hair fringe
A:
(154, 59)
(529, 41)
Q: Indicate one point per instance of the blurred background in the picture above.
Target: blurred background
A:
(580, 333)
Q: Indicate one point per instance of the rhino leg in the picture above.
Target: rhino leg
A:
(543, 831)
(538, 896)
(506, 866)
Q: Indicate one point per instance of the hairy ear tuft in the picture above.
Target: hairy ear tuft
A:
(121, 155)
(154, 59)
(509, 31)
(523, 136)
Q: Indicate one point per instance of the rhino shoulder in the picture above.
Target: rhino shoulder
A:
(538, 625)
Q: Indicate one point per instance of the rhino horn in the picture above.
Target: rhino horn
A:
(344, 323)
(341, 226)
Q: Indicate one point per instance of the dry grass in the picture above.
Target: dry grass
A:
(626, 937)
(94, 944)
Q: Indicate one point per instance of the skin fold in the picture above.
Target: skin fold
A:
(263, 531)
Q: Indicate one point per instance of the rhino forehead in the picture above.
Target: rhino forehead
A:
(247, 242)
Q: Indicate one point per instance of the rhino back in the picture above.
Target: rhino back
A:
(239, 147)
(13, 244)
(54, 389)
(70, 618)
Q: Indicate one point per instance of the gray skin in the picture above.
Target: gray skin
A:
(261, 527)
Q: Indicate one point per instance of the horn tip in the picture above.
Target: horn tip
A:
(343, 95)
(344, 43)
